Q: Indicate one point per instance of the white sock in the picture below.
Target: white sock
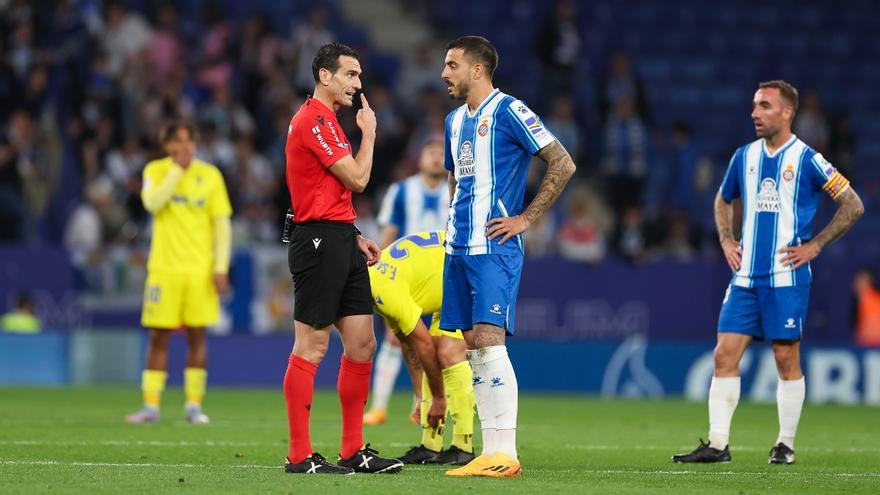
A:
(723, 398)
(504, 392)
(790, 402)
(483, 397)
(387, 366)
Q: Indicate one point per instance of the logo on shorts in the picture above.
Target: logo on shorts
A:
(789, 323)
(484, 128)
(478, 380)
(496, 308)
(496, 382)
(316, 242)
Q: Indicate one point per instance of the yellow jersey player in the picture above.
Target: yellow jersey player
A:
(407, 284)
(187, 268)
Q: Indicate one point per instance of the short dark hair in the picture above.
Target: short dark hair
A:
(478, 49)
(788, 92)
(328, 57)
(170, 129)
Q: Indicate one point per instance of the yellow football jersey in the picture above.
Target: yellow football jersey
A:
(408, 281)
(183, 228)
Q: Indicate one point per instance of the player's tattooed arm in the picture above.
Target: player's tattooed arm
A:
(724, 223)
(560, 168)
(849, 209)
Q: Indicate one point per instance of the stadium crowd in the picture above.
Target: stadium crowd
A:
(85, 88)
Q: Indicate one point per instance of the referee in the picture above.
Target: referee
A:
(328, 260)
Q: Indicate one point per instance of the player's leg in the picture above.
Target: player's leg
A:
(161, 313)
(739, 321)
(195, 376)
(458, 383)
(153, 377)
(496, 279)
(201, 308)
(316, 302)
(355, 324)
(388, 362)
(785, 310)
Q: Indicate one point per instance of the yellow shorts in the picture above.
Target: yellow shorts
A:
(173, 300)
(436, 332)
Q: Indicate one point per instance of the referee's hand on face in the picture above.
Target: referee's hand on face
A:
(366, 118)
(369, 249)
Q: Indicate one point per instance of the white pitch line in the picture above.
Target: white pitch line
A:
(583, 471)
(588, 447)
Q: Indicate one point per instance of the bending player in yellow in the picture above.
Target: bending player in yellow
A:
(407, 284)
(187, 268)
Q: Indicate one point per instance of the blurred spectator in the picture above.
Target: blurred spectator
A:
(867, 308)
(215, 148)
(678, 242)
(13, 211)
(810, 124)
(166, 49)
(624, 159)
(559, 48)
(123, 167)
(22, 318)
(228, 115)
(562, 124)
(307, 38)
(622, 84)
(580, 238)
(254, 177)
(629, 238)
(22, 52)
(126, 37)
(97, 221)
(841, 144)
(215, 62)
(418, 75)
(540, 239)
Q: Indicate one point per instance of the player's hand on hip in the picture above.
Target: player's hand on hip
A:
(437, 411)
(797, 256)
(221, 283)
(366, 118)
(732, 253)
(506, 227)
(369, 249)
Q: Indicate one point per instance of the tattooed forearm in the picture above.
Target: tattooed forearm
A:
(723, 218)
(560, 168)
(849, 210)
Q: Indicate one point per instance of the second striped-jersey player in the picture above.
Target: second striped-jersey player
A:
(780, 193)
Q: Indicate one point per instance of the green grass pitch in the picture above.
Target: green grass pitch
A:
(74, 441)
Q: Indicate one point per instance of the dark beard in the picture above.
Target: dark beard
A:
(463, 89)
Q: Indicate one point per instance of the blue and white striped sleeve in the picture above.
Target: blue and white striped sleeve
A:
(527, 127)
(730, 188)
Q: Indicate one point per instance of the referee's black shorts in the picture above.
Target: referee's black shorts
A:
(330, 277)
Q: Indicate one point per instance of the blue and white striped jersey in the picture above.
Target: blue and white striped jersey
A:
(489, 152)
(412, 206)
(780, 193)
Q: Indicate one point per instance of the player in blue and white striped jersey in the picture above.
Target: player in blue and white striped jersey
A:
(779, 180)
(419, 203)
(490, 141)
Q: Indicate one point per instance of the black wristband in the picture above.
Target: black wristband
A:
(357, 230)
